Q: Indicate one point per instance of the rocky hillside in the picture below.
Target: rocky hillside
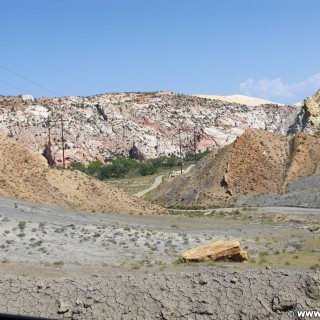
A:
(25, 175)
(308, 119)
(101, 126)
(258, 162)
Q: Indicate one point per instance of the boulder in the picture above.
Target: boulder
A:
(218, 250)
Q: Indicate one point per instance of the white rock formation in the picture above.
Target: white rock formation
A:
(150, 120)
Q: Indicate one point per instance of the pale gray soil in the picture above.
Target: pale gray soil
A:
(61, 263)
(43, 234)
(304, 193)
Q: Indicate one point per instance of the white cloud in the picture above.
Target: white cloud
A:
(277, 89)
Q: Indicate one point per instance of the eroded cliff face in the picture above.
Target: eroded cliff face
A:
(107, 125)
(308, 119)
(258, 162)
(312, 107)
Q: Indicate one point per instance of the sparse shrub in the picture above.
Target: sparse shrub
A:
(42, 225)
(22, 225)
(252, 260)
(263, 253)
(180, 260)
(263, 260)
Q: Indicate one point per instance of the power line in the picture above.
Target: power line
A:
(31, 74)
(30, 81)
(48, 63)
(10, 85)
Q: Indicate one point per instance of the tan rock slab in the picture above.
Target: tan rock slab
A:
(217, 250)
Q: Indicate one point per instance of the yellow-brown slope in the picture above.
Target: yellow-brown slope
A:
(25, 175)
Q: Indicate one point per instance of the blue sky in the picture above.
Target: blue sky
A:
(268, 49)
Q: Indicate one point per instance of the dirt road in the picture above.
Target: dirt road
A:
(155, 185)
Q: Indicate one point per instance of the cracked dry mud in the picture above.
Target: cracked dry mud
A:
(75, 265)
(208, 295)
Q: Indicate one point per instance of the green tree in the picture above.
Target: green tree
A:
(105, 172)
(78, 166)
(147, 168)
(94, 167)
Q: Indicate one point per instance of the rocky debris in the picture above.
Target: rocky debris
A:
(63, 307)
(134, 153)
(101, 112)
(284, 301)
(26, 97)
(218, 250)
(107, 125)
(256, 294)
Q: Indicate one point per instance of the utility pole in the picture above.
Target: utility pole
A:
(194, 145)
(62, 136)
(48, 122)
(180, 150)
(49, 143)
(62, 140)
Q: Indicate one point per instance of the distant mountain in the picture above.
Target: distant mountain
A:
(108, 125)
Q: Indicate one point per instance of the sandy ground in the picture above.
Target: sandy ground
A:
(250, 101)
